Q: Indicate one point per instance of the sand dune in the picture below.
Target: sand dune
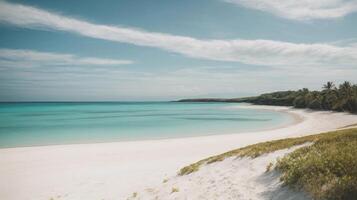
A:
(234, 178)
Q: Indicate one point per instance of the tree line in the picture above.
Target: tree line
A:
(337, 98)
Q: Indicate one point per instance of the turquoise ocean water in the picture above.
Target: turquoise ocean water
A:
(32, 124)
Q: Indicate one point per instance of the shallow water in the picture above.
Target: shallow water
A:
(32, 124)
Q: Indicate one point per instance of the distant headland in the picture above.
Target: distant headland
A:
(342, 98)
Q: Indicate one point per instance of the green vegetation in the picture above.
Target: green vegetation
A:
(252, 151)
(327, 169)
(341, 98)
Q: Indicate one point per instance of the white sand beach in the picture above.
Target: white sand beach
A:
(233, 178)
(116, 170)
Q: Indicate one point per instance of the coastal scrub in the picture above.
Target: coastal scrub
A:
(326, 169)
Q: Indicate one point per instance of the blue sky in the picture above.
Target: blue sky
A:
(161, 50)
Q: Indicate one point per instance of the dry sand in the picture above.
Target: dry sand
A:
(233, 178)
(116, 170)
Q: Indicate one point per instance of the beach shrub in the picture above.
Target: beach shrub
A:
(299, 102)
(326, 170)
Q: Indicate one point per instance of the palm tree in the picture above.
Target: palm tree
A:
(329, 85)
(329, 95)
(345, 93)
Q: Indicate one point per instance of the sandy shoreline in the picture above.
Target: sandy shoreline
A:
(115, 170)
(296, 118)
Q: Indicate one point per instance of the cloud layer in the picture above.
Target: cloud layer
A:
(30, 58)
(187, 81)
(257, 52)
(302, 9)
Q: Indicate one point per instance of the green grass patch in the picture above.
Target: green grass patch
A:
(327, 169)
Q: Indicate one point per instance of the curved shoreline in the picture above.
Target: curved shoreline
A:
(296, 118)
(115, 170)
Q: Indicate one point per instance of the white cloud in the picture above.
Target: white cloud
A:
(30, 58)
(185, 82)
(302, 9)
(258, 52)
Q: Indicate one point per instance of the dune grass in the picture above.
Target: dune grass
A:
(252, 151)
(327, 169)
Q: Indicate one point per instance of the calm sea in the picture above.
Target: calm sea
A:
(32, 124)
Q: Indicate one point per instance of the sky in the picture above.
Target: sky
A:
(131, 50)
